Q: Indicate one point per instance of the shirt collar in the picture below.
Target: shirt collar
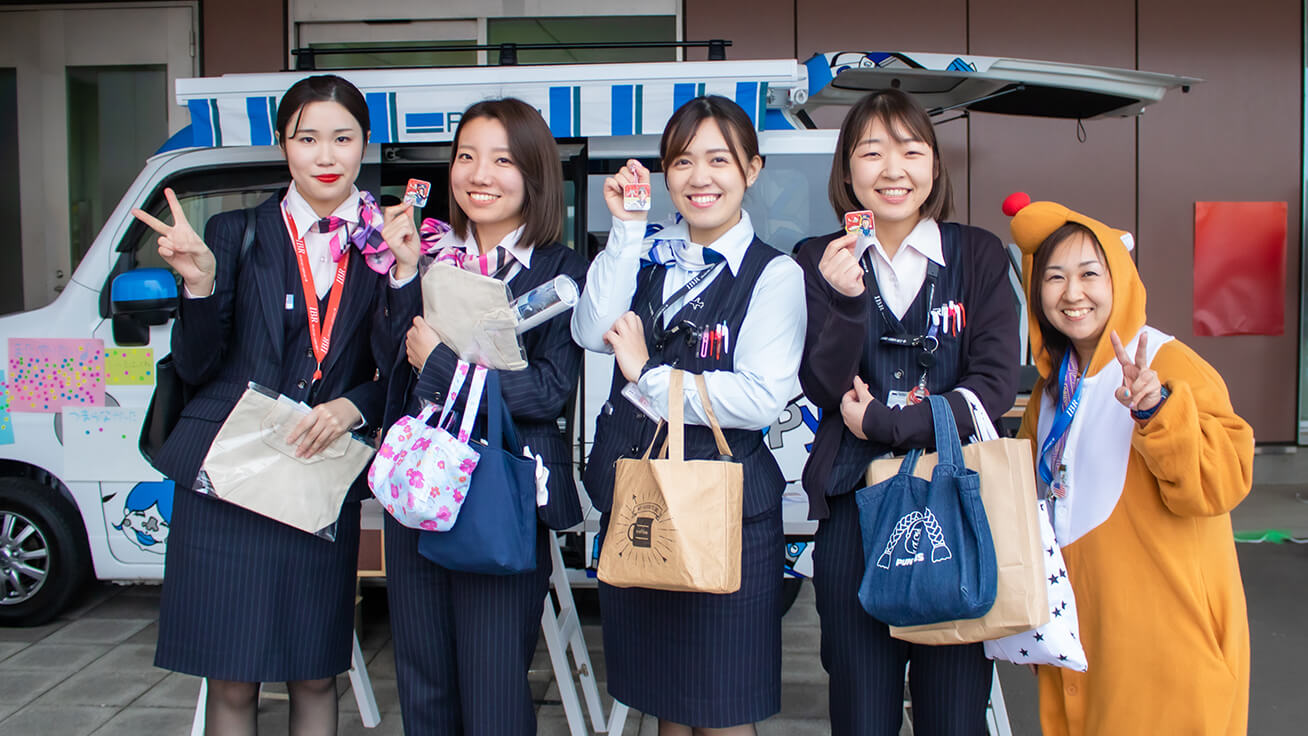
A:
(923, 238)
(305, 217)
(511, 244)
(731, 245)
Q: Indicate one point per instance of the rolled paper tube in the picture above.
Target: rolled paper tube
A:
(548, 300)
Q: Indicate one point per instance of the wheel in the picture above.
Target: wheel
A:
(789, 592)
(43, 552)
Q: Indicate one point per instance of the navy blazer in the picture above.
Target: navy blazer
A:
(222, 342)
(537, 396)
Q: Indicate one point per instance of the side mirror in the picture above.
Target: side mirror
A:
(138, 299)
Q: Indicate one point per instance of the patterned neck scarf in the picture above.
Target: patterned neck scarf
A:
(366, 236)
(456, 253)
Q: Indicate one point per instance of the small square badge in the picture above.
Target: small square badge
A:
(860, 222)
(417, 192)
(635, 197)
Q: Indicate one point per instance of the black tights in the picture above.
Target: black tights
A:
(231, 708)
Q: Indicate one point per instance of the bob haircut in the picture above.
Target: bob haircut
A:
(1055, 342)
(320, 88)
(736, 127)
(532, 148)
(901, 115)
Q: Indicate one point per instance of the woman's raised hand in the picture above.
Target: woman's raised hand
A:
(631, 173)
(182, 248)
(1140, 390)
(402, 238)
(839, 266)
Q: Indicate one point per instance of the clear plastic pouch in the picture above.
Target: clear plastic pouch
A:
(251, 465)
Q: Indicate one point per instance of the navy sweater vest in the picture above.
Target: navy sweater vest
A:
(886, 367)
(622, 430)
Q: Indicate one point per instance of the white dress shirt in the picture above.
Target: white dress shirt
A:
(900, 278)
(318, 244)
(767, 351)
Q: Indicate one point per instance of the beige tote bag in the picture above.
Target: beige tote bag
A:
(675, 523)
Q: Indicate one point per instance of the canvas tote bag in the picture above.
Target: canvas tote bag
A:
(675, 523)
(1008, 494)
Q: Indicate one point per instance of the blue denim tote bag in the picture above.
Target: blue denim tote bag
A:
(495, 533)
(927, 544)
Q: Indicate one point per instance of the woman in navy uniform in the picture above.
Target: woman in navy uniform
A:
(464, 641)
(702, 663)
(247, 599)
(870, 356)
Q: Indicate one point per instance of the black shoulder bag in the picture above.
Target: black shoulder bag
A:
(171, 393)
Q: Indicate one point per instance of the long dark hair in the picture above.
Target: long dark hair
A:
(320, 88)
(900, 113)
(1056, 343)
(534, 152)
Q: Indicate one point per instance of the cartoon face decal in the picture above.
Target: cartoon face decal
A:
(147, 514)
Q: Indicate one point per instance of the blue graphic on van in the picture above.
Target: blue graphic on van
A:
(147, 514)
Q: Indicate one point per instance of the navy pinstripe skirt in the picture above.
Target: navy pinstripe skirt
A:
(701, 659)
(249, 599)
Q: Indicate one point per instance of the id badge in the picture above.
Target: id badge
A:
(897, 399)
(641, 401)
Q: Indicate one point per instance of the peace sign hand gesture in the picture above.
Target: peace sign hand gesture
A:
(1140, 390)
(182, 248)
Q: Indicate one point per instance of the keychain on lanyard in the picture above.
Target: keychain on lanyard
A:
(929, 342)
(1062, 423)
(319, 336)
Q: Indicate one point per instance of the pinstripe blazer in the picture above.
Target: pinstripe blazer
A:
(537, 396)
(222, 342)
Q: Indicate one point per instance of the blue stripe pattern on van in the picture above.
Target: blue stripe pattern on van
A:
(624, 103)
(201, 124)
(379, 116)
(424, 122)
(561, 111)
(261, 124)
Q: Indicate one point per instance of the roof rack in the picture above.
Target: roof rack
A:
(306, 58)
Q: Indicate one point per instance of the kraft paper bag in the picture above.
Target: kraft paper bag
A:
(1008, 494)
(471, 314)
(676, 523)
(251, 465)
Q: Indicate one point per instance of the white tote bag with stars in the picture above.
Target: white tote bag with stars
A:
(1058, 642)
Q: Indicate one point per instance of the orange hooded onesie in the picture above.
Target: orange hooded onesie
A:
(1145, 528)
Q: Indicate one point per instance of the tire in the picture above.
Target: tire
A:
(43, 552)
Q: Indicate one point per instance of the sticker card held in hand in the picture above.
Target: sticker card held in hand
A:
(416, 192)
(860, 222)
(635, 197)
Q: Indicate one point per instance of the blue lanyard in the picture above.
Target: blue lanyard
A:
(1062, 422)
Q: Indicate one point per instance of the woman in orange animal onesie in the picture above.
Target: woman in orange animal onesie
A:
(1143, 459)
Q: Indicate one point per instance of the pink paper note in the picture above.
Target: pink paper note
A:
(47, 375)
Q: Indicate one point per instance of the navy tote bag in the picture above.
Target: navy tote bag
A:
(495, 533)
(927, 544)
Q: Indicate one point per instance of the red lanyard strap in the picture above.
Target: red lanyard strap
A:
(319, 337)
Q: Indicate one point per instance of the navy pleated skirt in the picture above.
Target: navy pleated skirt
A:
(700, 659)
(249, 599)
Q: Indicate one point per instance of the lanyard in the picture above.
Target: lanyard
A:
(319, 337)
(684, 290)
(902, 336)
(1062, 422)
